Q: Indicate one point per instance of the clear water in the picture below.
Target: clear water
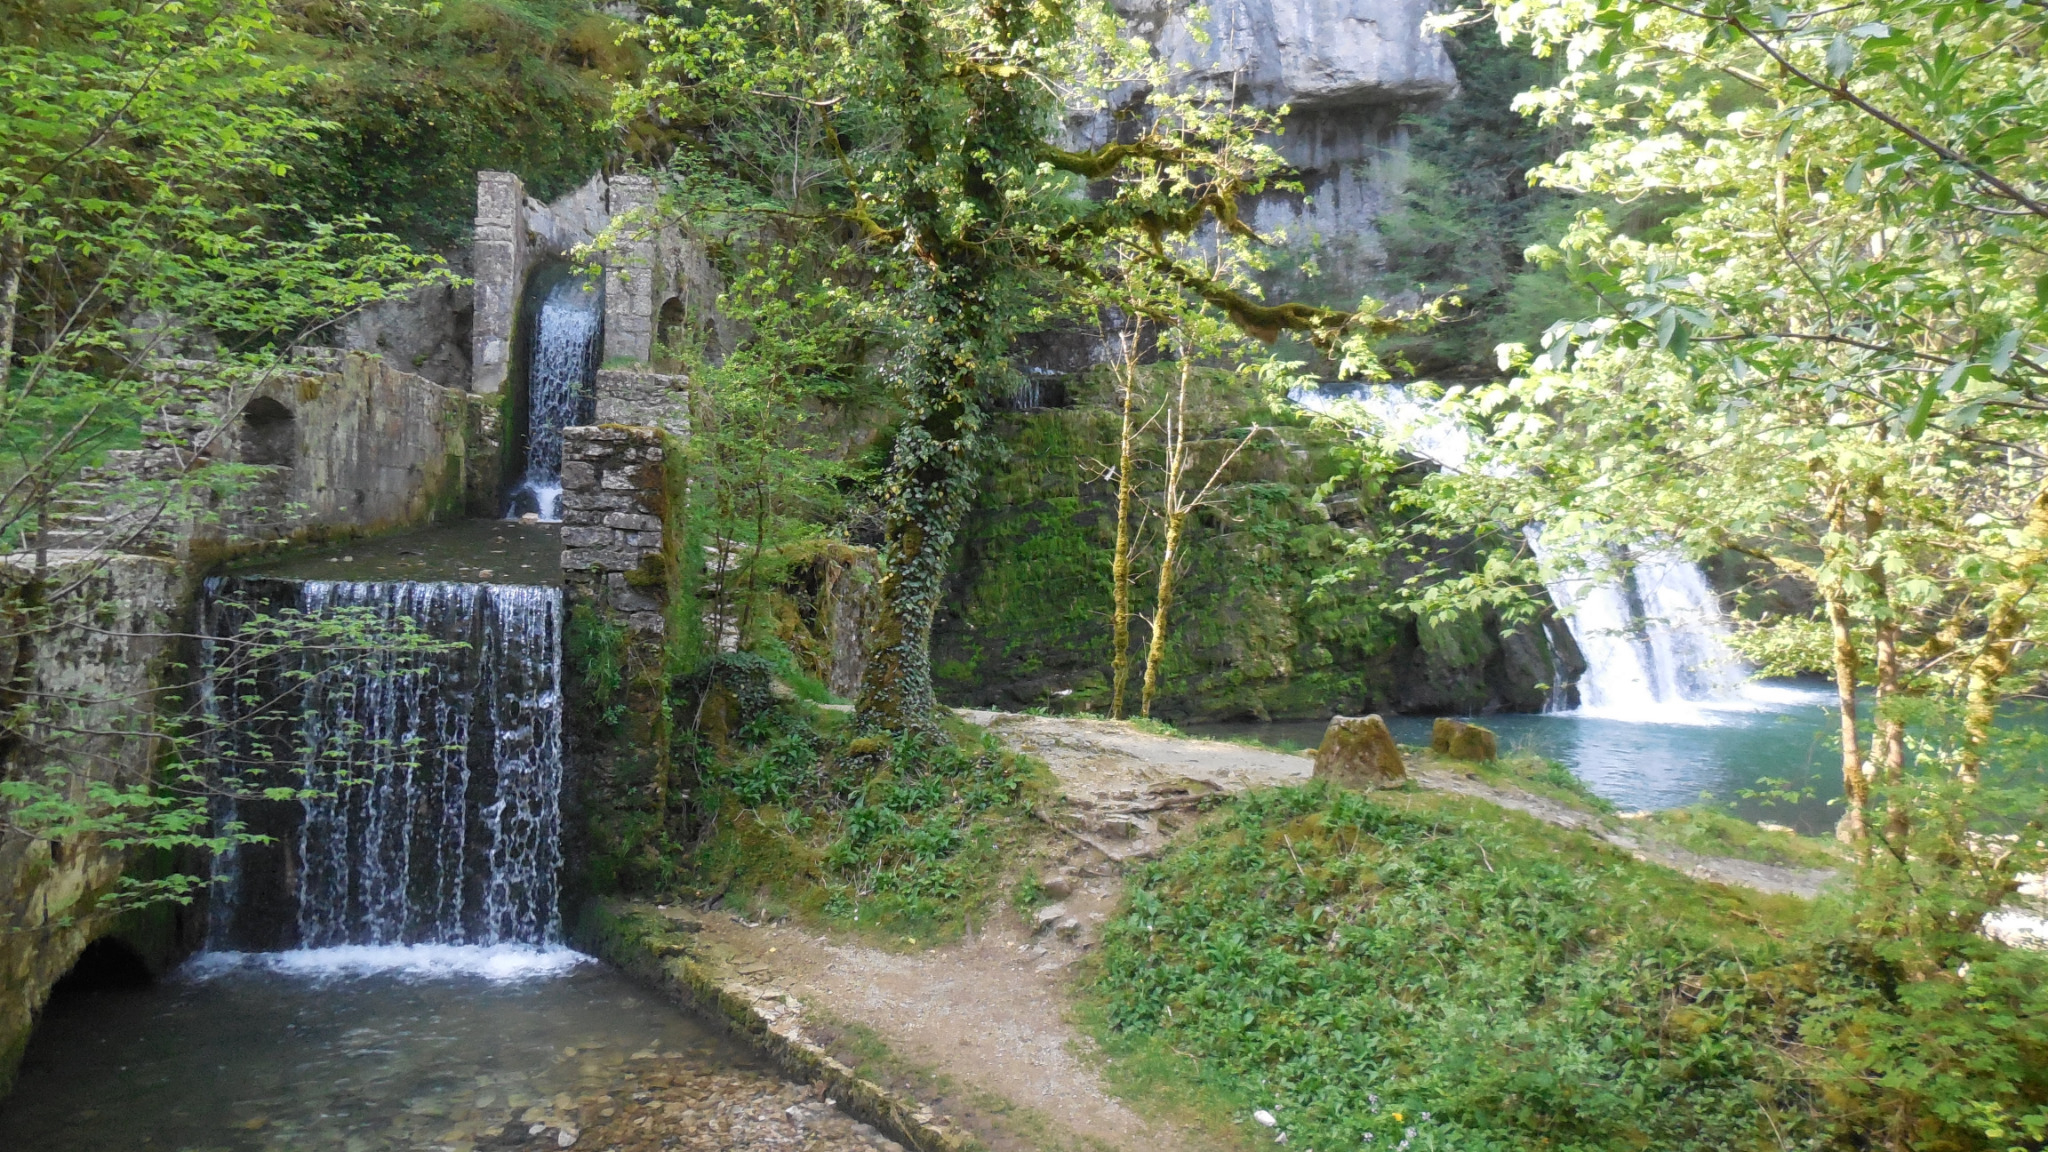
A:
(1788, 734)
(491, 551)
(236, 1056)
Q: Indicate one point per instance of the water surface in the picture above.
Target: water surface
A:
(1783, 735)
(305, 1052)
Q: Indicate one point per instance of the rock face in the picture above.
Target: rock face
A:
(1462, 741)
(1345, 70)
(1310, 54)
(1359, 752)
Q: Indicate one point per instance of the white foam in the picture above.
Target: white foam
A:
(499, 963)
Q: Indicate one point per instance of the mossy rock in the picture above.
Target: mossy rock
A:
(1359, 752)
(1462, 741)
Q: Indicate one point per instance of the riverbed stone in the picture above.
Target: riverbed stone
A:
(1359, 752)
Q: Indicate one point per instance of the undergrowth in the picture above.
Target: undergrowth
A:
(1422, 972)
(794, 814)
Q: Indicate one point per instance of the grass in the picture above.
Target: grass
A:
(903, 845)
(1520, 768)
(1711, 832)
(1420, 970)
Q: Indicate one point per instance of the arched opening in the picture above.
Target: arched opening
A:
(669, 336)
(269, 434)
(106, 963)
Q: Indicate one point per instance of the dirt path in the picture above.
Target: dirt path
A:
(989, 1011)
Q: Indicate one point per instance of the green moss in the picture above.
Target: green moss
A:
(1275, 615)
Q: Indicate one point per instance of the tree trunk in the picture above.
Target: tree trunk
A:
(2002, 627)
(10, 297)
(1855, 826)
(1120, 566)
(1888, 741)
(1155, 654)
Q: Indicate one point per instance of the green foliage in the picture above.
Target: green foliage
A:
(1394, 974)
(897, 837)
(596, 647)
(1467, 213)
(416, 100)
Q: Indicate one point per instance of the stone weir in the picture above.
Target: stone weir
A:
(431, 768)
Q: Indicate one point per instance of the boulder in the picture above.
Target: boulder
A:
(1462, 741)
(1359, 752)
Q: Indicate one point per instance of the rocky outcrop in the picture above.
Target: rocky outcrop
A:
(1311, 55)
(1345, 70)
(1359, 752)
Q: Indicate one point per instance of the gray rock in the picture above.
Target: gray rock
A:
(1059, 887)
(1359, 752)
(1048, 916)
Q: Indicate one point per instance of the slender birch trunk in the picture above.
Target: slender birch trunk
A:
(1175, 510)
(1120, 565)
(1855, 826)
(1888, 741)
(10, 297)
(2002, 627)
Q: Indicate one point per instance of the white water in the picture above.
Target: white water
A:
(1648, 623)
(498, 963)
(568, 328)
(433, 806)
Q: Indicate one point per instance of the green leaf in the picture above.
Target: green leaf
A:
(1841, 56)
(2001, 359)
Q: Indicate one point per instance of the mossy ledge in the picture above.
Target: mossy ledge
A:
(656, 951)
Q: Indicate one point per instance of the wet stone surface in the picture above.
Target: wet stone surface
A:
(255, 1061)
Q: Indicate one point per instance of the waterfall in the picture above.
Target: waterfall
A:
(1653, 635)
(1650, 626)
(561, 367)
(429, 807)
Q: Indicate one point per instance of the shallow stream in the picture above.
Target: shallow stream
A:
(335, 1050)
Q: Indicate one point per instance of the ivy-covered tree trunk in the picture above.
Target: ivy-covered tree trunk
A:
(964, 313)
(931, 479)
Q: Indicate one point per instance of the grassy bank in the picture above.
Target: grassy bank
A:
(1421, 971)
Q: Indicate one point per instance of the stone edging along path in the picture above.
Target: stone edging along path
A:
(634, 938)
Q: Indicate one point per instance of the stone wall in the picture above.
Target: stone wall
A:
(614, 509)
(340, 442)
(94, 674)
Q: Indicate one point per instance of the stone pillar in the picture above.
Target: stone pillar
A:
(499, 261)
(649, 399)
(614, 502)
(629, 272)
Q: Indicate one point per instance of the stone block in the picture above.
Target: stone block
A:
(1359, 752)
(573, 537)
(632, 521)
(578, 474)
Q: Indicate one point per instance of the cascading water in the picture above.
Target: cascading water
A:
(1653, 634)
(561, 367)
(430, 806)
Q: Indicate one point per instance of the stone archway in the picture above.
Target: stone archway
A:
(269, 434)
